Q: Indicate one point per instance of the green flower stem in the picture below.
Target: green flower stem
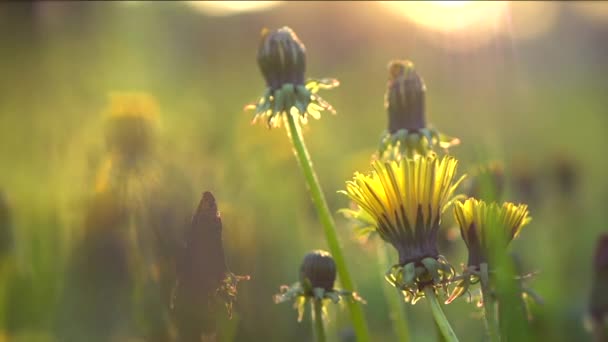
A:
(440, 319)
(317, 318)
(395, 303)
(488, 305)
(329, 227)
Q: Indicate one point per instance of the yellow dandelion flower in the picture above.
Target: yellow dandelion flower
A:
(490, 227)
(405, 200)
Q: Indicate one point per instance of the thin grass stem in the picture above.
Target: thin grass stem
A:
(329, 226)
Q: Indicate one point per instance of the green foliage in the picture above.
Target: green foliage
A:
(510, 98)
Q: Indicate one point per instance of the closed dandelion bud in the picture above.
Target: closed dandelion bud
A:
(405, 97)
(408, 133)
(317, 278)
(599, 297)
(203, 279)
(282, 61)
(319, 269)
(282, 58)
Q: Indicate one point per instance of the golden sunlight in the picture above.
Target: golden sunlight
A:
(223, 8)
(448, 16)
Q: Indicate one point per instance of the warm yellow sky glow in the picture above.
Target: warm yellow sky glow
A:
(221, 8)
(530, 20)
(463, 25)
(448, 16)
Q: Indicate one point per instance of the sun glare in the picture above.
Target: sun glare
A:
(448, 16)
(465, 25)
(223, 8)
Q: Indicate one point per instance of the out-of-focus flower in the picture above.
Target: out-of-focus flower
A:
(408, 133)
(598, 306)
(204, 281)
(99, 279)
(6, 229)
(526, 183)
(487, 229)
(282, 61)
(565, 175)
(156, 195)
(131, 124)
(317, 278)
(487, 182)
(405, 200)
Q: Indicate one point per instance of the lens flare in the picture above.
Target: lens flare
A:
(453, 25)
(448, 16)
(224, 8)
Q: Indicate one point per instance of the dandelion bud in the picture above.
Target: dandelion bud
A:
(408, 133)
(318, 268)
(203, 278)
(317, 277)
(599, 298)
(282, 58)
(405, 97)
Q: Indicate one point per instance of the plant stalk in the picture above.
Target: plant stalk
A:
(396, 304)
(488, 305)
(439, 316)
(329, 227)
(317, 319)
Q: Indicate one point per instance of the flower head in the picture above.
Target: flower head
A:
(407, 132)
(282, 61)
(318, 270)
(405, 97)
(131, 125)
(405, 200)
(488, 228)
(317, 277)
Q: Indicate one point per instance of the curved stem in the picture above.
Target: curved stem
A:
(317, 320)
(329, 227)
(439, 316)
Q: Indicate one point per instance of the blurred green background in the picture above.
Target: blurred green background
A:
(522, 83)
